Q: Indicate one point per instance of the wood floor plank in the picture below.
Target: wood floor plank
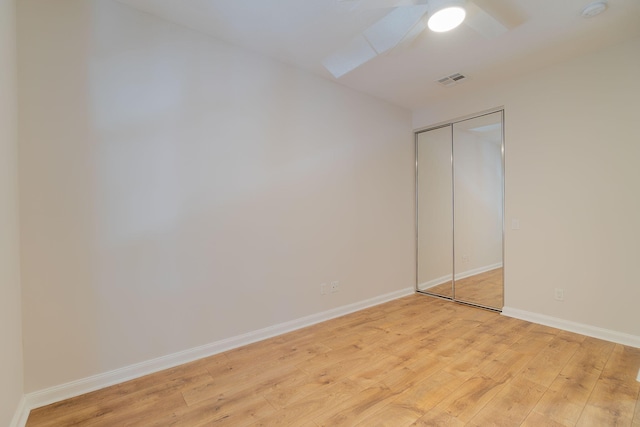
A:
(368, 374)
(157, 392)
(511, 406)
(467, 363)
(429, 392)
(357, 408)
(536, 419)
(614, 397)
(391, 415)
(623, 363)
(506, 365)
(611, 402)
(439, 418)
(470, 397)
(235, 410)
(562, 406)
(415, 361)
(598, 416)
(547, 365)
(421, 368)
(569, 392)
(138, 414)
(308, 408)
(636, 416)
(267, 382)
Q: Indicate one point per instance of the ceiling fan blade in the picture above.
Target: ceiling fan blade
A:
(484, 23)
(413, 34)
(389, 31)
(354, 54)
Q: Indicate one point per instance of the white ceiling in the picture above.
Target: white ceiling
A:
(304, 32)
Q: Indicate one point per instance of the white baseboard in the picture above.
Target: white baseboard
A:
(478, 270)
(21, 414)
(434, 282)
(96, 382)
(462, 275)
(580, 328)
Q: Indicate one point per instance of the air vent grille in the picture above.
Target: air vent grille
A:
(452, 79)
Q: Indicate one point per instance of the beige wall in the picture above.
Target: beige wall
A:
(176, 191)
(10, 318)
(572, 178)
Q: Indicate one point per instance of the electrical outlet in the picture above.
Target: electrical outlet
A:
(559, 294)
(323, 289)
(335, 286)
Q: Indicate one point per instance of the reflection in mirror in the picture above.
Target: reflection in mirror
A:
(478, 201)
(435, 212)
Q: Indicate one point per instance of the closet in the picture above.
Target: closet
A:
(460, 210)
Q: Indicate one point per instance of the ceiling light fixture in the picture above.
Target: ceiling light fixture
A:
(445, 14)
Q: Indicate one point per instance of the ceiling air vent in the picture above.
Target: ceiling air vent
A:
(451, 80)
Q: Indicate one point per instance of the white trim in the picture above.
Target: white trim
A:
(21, 414)
(435, 282)
(580, 328)
(462, 275)
(638, 377)
(106, 379)
(474, 271)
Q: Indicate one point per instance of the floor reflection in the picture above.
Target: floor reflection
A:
(484, 289)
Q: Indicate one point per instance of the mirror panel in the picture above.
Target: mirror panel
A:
(434, 204)
(478, 210)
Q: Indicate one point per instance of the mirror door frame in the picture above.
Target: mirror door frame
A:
(451, 124)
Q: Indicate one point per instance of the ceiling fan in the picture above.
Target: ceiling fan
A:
(406, 20)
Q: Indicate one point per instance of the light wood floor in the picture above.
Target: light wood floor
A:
(485, 289)
(416, 361)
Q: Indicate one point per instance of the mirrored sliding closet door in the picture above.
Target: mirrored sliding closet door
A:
(459, 181)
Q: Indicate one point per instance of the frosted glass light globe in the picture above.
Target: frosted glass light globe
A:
(446, 19)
